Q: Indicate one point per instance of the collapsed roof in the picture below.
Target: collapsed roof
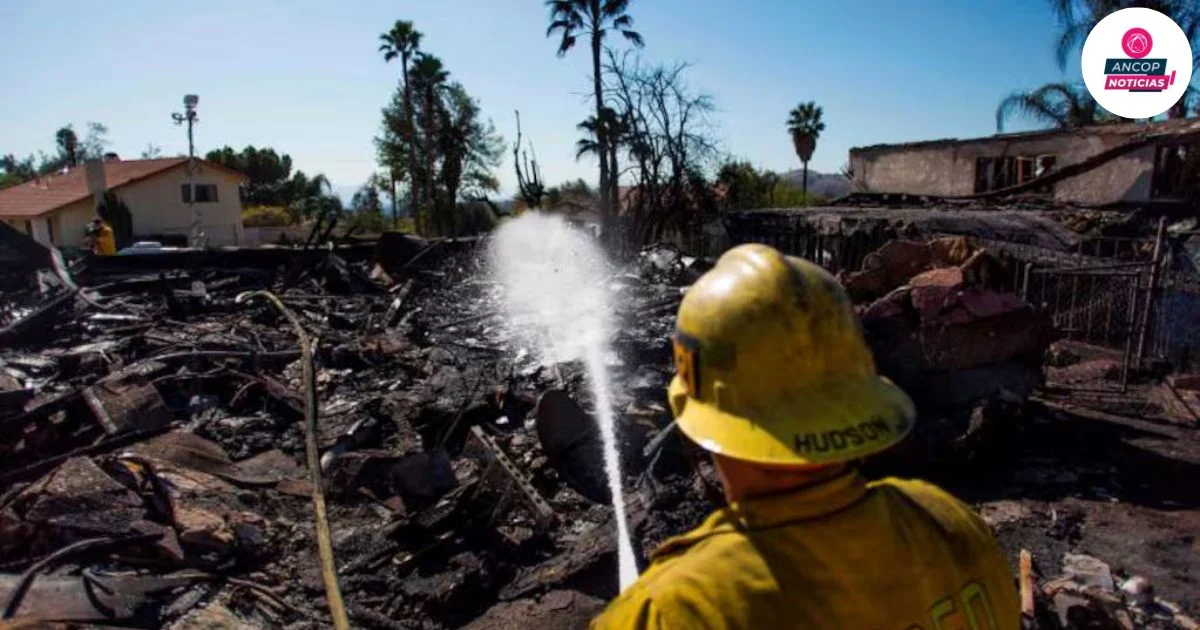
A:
(1010, 226)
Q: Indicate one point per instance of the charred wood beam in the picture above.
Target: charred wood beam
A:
(36, 325)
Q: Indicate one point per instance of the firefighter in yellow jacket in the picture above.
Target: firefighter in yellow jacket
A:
(100, 238)
(773, 378)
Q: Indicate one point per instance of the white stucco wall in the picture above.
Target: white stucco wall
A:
(157, 207)
(70, 223)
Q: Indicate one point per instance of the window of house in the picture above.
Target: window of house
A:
(205, 193)
(1171, 168)
(995, 173)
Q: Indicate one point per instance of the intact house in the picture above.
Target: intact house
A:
(56, 209)
(1097, 165)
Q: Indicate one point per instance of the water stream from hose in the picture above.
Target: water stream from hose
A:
(555, 280)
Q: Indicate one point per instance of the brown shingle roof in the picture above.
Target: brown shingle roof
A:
(37, 197)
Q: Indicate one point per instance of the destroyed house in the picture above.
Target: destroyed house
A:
(1098, 165)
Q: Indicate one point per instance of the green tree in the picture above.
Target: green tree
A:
(95, 143)
(429, 82)
(366, 209)
(402, 42)
(14, 171)
(804, 123)
(747, 188)
(395, 152)
(68, 145)
(594, 19)
(470, 148)
(317, 200)
(116, 213)
(272, 182)
(455, 149)
(1057, 105)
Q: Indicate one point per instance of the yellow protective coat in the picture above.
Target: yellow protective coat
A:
(106, 243)
(889, 555)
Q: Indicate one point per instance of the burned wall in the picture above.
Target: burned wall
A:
(950, 168)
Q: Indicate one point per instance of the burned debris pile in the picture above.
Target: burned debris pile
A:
(154, 471)
(944, 325)
(155, 448)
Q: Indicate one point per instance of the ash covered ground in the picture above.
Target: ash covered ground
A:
(154, 475)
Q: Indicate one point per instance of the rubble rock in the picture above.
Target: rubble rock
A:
(211, 523)
(568, 610)
(951, 251)
(212, 617)
(1059, 355)
(366, 469)
(935, 290)
(1088, 571)
(202, 528)
(889, 267)
(188, 450)
(1139, 590)
(78, 486)
(1184, 382)
(589, 564)
(1077, 610)
(422, 478)
(1179, 397)
(997, 513)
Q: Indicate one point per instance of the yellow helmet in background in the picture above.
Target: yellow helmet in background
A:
(771, 366)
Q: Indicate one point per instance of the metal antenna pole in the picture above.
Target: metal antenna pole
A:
(196, 236)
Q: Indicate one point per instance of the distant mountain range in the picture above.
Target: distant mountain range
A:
(831, 185)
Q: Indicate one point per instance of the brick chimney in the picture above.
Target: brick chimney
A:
(111, 157)
(97, 180)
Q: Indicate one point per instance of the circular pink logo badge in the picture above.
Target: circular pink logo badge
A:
(1137, 43)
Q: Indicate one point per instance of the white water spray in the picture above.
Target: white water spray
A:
(554, 279)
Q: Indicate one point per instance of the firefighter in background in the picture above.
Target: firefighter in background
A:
(774, 379)
(100, 238)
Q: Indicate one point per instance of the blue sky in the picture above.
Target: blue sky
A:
(305, 77)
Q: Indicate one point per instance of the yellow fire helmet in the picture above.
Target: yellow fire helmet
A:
(771, 366)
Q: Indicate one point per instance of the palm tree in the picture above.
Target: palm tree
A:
(594, 18)
(402, 42)
(804, 123)
(429, 80)
(588, 144)
(1057, 105)
(1079, 17)
(315, 199)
